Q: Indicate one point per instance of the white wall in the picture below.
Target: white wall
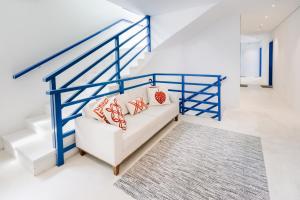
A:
(287, 60)
(32, 30)
(207, 47)
(167, 24)
(250, 59)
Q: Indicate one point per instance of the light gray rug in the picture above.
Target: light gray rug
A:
(197, 162)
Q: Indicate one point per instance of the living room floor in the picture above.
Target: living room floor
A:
(261, 114)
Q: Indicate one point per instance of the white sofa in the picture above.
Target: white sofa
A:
(111, 144)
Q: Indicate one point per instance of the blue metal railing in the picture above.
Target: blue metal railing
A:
(140, 36)
(57, 105)
(143, 80)
(57, 54)
(101, 45)
(194, 94)
(118, 67)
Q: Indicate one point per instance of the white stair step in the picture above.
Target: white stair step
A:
(40, 124)
(134, 70)
(34, 151)
(37, 155)
(13, 140)
(126, 75)
(113, 87)
(140, 61)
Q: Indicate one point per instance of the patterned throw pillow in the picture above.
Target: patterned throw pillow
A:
(158, 95)
(113, 113)
(136, 106)
(98, 110)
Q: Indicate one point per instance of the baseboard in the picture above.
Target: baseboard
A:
(266, 86)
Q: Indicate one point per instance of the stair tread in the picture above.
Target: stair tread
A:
(36, 148)
(40, 124)
(38, 118)
(17, 138)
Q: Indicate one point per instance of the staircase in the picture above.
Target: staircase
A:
(35, 146)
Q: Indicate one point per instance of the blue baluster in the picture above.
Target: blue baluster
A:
(149, 32)
(182, 95)
(56, 116)
(219, 99)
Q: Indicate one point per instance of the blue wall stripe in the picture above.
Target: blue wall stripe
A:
(260, 61)
(271, 63)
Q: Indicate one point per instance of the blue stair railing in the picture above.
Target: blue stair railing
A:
(135, 82)
(61, 52)
(119, 41)
(56, 104)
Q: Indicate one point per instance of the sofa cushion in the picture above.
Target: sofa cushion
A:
(133, 94)
(122, 98)
(97, 110)
(143, 126)
(158, 95)
(137, 105)
(161, 111)
(138, 129)
(114, 114)
(88, 110)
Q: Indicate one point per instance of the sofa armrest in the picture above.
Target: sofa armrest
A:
(101, 140)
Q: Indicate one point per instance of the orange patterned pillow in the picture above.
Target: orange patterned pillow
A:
(114, 114)
(98, 110)
(136, 106)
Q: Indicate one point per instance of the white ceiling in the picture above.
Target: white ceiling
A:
(157, 7)
(253, 12)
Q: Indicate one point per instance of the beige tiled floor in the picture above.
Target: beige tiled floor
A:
(261, 114)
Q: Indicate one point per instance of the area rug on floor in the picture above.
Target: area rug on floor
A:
(197, 162)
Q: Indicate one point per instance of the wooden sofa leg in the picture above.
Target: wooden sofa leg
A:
(116, 170)
(81, 152)
(176, 118)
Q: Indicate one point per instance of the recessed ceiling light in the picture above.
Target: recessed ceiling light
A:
(273, 5)
(266, 17)
(261, 25)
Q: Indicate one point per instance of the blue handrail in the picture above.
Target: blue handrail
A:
(58, 121)
(206, 99)
(56, 94)
(44, 61)
(105, 69)
(86, 86)
(84, 55)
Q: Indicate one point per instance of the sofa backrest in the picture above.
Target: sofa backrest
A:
(128, 96)
(133, 94)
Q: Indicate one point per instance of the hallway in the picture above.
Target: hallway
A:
(261, 114)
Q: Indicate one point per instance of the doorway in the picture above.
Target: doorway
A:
(251, 61)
